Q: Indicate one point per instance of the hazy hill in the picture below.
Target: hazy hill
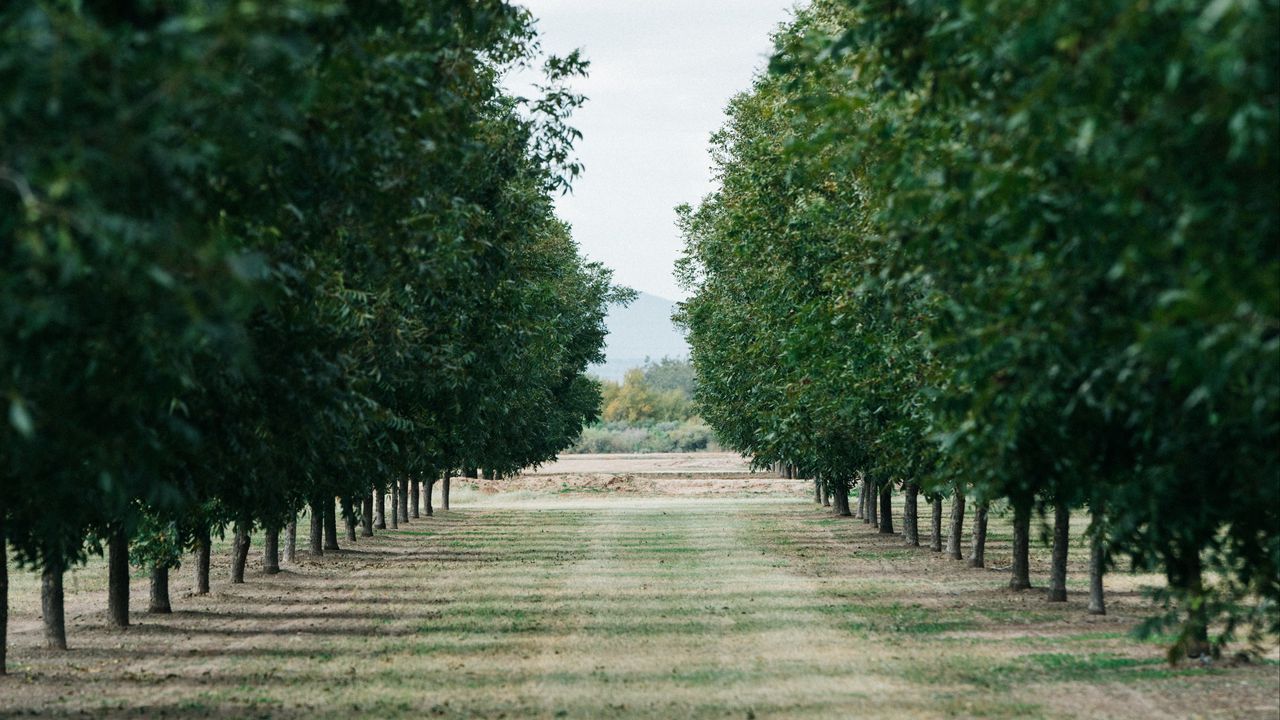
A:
(641, 330)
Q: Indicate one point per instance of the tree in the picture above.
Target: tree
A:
(254, 256)
(985, 249)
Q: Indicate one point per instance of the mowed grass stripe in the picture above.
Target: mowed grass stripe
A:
(704, 608)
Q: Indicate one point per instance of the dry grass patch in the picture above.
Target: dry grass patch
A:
(613, 605)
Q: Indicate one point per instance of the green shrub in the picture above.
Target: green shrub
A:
(690, 435)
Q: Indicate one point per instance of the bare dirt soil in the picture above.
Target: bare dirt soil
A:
(717, 464)
(641, 600)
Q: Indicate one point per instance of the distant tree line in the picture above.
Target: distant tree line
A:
(1019, 256)
(651, 410)
(256, 257)
(660, 391)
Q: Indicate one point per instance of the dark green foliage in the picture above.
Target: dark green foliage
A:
(1032, 253)
(257, 253)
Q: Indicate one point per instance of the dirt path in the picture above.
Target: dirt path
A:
(601, 606)
(719, 464)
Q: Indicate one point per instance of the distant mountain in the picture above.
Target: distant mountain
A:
(641, 330)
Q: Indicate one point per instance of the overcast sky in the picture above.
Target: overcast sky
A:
(661, 73)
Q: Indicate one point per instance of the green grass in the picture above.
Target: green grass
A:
(598, 607)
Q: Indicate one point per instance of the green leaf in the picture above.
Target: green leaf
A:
(20, 418)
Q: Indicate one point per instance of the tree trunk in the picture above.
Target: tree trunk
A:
(330, 526)
(395, 505)
(53, 608)
(826, 495)
(817, 492)
(1097, 561)
(886, 508)
(840, 489)
(1061, 541)
(427, 486)
(366, 515)
(315, 538)
(1020, 578)
(415, 497)
(4, 598)
(204, 545)
(444, 491)
(862, 500)
(873, 512)
(911, 515)
(404, 501)
(271, 551)
(957, 526)
(291, 541)
(935, 539)
(118, 578)
(978, 553)
(349, 518)
(160, 591)
(239, 554)
(1186, 573)
(379, 509)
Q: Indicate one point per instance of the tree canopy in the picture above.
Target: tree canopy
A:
(1016, 254)
(254, 254)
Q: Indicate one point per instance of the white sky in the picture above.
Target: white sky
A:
(661, 74)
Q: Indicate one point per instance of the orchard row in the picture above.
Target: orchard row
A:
(255, 256)
(1023, 257)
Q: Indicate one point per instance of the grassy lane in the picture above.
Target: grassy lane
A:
(677, 611)
(616, 606)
